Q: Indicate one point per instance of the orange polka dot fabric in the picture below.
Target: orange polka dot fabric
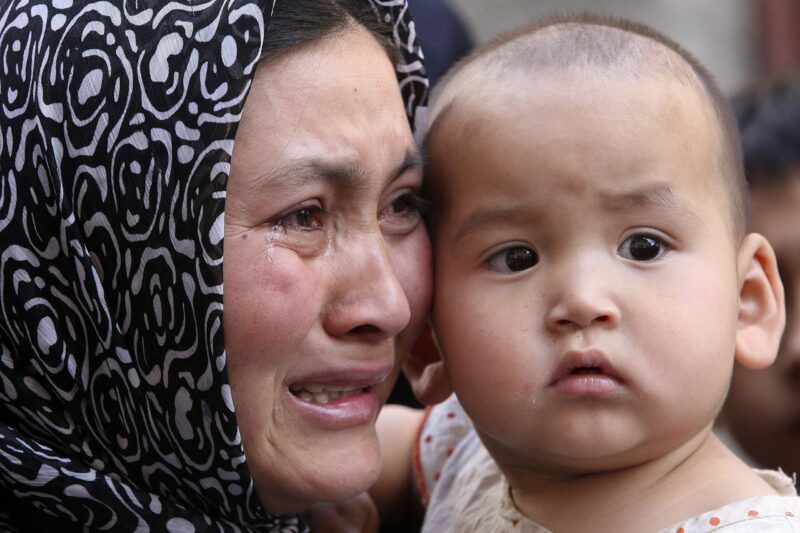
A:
(768, 514)
(443, 428)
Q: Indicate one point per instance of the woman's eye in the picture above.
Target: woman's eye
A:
(306, 218)
(402, 213)
(642, 247)
(408, 204)
(514, 259)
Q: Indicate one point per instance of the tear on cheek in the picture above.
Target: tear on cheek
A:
(329, 243)
(274, 238)
(303, 244)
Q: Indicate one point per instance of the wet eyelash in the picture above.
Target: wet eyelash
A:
(417, 202)
(281, 223)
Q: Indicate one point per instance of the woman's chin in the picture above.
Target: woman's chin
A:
(337, 470)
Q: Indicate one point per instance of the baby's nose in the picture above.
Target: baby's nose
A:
(583, 299)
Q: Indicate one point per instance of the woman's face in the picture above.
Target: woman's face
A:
(327, 267)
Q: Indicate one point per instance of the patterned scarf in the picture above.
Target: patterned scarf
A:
(117, 122)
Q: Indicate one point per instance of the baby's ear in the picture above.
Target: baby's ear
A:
(762, 311)
(425, 370)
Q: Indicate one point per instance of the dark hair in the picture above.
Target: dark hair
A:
(769, 121)
(296, 22)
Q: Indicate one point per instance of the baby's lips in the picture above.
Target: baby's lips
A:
(591, 358)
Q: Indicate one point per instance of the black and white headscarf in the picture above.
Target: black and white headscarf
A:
(117, 122)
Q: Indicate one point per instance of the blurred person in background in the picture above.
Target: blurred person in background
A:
(443, 35)
(763, 409)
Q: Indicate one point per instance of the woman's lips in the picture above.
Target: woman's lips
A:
(341, 398)
(355, 406)
(320, 393)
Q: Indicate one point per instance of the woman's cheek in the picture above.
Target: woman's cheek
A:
(269, 309)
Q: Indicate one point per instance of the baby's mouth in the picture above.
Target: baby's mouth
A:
(587, 370)
(318, 393)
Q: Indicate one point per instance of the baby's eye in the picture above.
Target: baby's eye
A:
(305, 218)
(402, 213)
(513, 259)
(642, 247)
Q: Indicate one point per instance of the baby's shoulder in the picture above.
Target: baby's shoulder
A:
(445, 430)
(462, 485)
(770, 514)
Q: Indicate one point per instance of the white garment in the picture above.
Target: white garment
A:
(465, 491)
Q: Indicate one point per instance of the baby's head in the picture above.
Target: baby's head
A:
(574, 58)
(594, 280)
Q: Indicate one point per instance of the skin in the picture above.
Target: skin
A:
(763, 408)
(327, 265)
(571, 186)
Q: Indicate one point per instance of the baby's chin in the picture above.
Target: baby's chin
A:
(573, 456)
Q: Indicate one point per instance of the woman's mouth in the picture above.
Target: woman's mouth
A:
(338, 398)
(318, 393)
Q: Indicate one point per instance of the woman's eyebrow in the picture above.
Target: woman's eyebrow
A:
(297, 174)
(413, 160)
(347, 174)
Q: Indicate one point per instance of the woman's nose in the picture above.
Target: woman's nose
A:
(367, 300)
(582, 297)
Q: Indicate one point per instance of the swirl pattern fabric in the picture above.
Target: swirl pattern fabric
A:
(117, 122)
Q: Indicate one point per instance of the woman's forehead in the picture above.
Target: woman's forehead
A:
(336, 110)
(329, 64)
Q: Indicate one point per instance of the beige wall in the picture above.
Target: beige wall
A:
(720, 33)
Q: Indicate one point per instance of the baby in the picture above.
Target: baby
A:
(595, 282)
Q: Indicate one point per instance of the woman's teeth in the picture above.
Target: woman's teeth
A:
(317, 393)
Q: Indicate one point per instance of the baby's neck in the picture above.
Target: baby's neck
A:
(697, 477)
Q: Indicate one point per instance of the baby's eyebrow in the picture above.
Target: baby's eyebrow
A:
(658, 195)
(649, 196)
(483, 217)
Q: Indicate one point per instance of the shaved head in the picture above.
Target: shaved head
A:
(594, 48)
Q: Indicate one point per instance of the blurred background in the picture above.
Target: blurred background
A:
(740, 41)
